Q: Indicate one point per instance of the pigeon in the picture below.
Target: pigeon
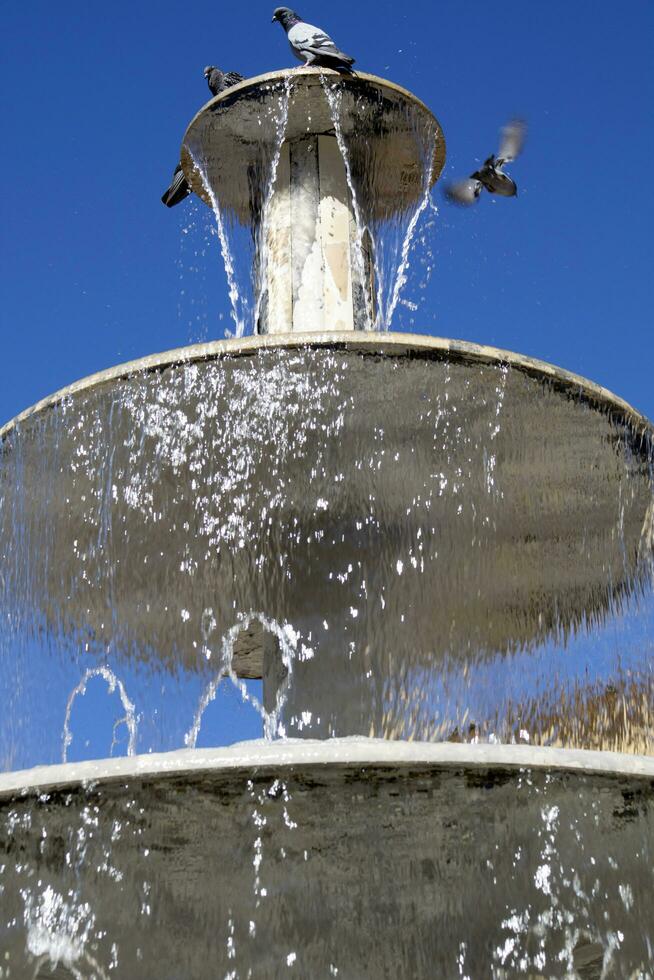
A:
(310, 44)
(178, 189)
(218, 81)
(491, 175)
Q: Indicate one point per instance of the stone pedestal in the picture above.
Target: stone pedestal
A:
(315, 269)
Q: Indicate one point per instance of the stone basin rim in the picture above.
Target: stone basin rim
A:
(363, 342)
(302, 82)
(282, 74)
(337, 755)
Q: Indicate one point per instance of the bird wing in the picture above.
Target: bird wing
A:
(216, 82)
(463, 192)
(512, 141)
(178, 189)
(306, 37)
(233, 78)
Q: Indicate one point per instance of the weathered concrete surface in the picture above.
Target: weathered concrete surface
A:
(313, 278)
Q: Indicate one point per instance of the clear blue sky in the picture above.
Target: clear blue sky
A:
(96, 98)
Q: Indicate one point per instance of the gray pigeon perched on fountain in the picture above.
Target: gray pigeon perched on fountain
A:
(491, 175)
(217, 81)
(310, 44)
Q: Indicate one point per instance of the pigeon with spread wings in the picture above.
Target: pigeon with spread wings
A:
(491, 175)
(310, 44)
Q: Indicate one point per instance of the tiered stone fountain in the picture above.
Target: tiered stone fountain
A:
(377, 513)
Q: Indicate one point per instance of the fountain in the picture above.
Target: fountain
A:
(425, 563)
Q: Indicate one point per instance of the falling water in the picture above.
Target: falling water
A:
(246, 286)
(334, 97)
(541, 874)
(236, 297)
(262, 230)
(288, 651)
(129, 719)
(210, 490)
(429, 563)
(390, 236)
(198, 286)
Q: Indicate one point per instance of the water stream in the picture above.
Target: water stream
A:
(243, 247)
(389, 236)
(113, 684)
(388, 239)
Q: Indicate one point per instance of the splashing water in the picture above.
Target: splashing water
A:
(244, 253)
(282, 483)
(288, 651)
(129, 720)
(58, 932)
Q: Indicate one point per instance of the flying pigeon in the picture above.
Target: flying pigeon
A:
(218, 81)
(310, 44)
(491, 175)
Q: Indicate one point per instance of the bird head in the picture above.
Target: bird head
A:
(286, 17)
(209, 69)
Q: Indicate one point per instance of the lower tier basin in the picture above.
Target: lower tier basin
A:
(350, 858)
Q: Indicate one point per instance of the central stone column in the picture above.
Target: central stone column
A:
(314, 266)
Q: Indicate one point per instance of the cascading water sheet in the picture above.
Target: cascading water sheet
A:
(388, 234)
(447, 569)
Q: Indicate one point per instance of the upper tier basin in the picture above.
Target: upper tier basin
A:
(386, 129)
(385, 495)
